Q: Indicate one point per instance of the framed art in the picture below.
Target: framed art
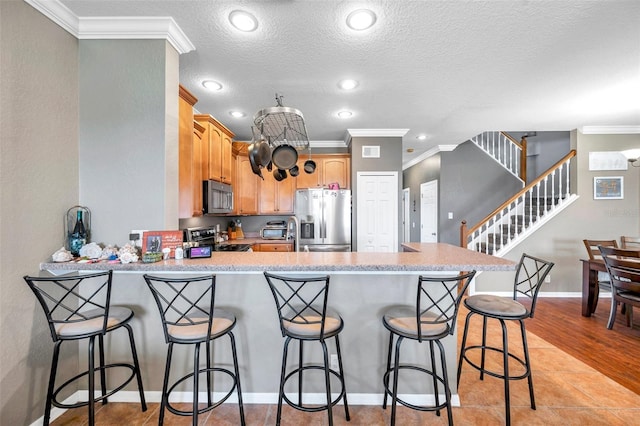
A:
(608, 188)
(155, 241)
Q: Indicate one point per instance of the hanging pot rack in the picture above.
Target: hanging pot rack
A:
(281, 125)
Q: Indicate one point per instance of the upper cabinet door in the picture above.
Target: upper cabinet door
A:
(216, 150)
(329, 169)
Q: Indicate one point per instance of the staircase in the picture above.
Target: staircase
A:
(525, 211)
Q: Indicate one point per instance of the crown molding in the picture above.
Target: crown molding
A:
(427, 154)
(328, 144)
(377, 133)
(115, 27)
(610, 130)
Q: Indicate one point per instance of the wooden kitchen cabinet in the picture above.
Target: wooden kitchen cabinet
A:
(198, 133)
(329, 169)
(275, 197)
(245, 188)
(217, 145)
(187, 175)
(273, 247)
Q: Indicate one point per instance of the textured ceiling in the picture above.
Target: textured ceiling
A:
(448, 69)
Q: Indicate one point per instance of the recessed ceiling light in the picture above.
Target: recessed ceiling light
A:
(421, 137)
(244, 21)
(348, 84)
(212, 85)
(361, 19)
(345, 114)
(237, 114)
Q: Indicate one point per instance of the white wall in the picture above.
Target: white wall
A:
(39, 182)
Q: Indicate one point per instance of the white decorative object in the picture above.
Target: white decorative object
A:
(91, 250)
(607, 160)
(62, 255)
(128, 253)
(109, 251)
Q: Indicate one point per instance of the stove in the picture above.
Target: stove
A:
(206, 236)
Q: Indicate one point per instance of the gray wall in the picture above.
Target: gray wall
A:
(472, 185)
(39, 175)
(128, 136)
(390, 161)
(412, 178)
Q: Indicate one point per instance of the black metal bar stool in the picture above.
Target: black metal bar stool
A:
(189, 317)
(78, 307)
(530, 275)
(431, 319)
(301, 303)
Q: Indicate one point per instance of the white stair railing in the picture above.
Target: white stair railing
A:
(503, 149)
(522, 213)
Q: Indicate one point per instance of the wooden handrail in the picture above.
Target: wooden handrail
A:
(515, 142)
(537, 180)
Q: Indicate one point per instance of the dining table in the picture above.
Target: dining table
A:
(590, 288)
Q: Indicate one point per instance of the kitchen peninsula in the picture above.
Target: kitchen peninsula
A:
(363, 285)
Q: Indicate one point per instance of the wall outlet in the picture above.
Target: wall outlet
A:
(547, 279)
(450, 215)
(334, 361)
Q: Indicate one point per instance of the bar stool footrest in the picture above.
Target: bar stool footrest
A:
(56, 403)
(385, 380)
(208, 407)
(308, 409)
(526, 373)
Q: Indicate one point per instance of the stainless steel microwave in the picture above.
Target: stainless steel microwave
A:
(217, 197)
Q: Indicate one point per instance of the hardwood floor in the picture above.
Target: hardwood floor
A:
(567, 391)
(613, 353)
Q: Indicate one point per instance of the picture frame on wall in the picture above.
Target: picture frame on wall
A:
(608, 188)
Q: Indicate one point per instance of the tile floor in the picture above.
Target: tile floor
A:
(567, 392)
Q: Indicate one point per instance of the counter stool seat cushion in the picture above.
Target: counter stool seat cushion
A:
(402, 320)
(310, 324)
(495, 305)
(79, 326)
(196, 330)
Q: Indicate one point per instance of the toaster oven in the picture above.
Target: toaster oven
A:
(274, 232)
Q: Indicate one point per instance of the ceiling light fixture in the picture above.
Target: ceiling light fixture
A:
(237, 114)
(212, 85)
(348, 84)
(243, 21)
(421, 137)
(361, 19)
(345, 114)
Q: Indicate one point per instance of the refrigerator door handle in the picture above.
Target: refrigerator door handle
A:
(323, 228)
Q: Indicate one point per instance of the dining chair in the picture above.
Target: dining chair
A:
(603, 281)
(623, 266)
(630, 242)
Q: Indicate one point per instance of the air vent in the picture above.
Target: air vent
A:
(371, 151)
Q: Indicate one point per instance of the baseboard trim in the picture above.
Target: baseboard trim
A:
(247, 398)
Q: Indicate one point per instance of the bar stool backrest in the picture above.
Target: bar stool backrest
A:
(184, 302)
(73, 299)
(439, 304)
(300, 300)
(530, 275)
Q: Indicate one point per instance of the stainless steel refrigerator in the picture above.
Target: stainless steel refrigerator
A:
(324, 217)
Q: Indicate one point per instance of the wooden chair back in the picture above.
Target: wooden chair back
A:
(594, 251)
(623, 266)
(630, 242)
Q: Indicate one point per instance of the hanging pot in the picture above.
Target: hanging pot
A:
(309, 166)
(279, 174)
(294, 171)
(284, 157)
(253, 160)
(263, 153)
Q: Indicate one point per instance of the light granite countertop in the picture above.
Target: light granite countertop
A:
(423, 257)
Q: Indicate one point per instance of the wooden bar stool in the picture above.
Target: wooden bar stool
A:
(432, 318)
(530, 275)
(302, 311)
(78, 307)
(189, 317)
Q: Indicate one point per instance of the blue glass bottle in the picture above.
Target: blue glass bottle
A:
(78, 237)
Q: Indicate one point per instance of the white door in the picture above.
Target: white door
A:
(429, 212)
(377, 211)
(406, 215)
